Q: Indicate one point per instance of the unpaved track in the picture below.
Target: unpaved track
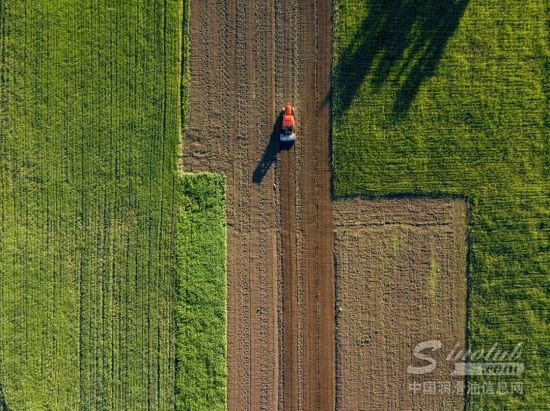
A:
(308, 326)
(247, 59)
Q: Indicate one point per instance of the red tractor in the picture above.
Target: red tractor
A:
(288, 125)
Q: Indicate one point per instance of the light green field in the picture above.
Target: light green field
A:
(201, 295)
(450, 98)
(89, 126)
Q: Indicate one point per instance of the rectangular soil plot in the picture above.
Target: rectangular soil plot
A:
(401, 272)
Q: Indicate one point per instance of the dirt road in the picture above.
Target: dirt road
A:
(246, 62)
(306, 210)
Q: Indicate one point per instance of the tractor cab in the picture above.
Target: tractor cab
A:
(288, 125)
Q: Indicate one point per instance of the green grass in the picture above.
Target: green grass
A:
(89, 125)
(201, 295)
(450, 98)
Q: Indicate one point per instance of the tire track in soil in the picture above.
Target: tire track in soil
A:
(308, 327)
(246, 61)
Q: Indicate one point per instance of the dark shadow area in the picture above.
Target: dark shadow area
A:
(400, 41)
(270, 152)
(3, 404)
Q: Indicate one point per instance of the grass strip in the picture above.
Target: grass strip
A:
(200, 309)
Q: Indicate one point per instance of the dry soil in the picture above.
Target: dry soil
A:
(401, 280)
(247, 60)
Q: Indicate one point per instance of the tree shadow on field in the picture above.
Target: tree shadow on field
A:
(400, 42)
(270, 153)
(3, 404)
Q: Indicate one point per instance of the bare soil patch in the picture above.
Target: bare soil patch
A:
(401, 280)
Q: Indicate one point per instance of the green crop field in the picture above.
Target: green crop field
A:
(450, 98)
(201, 295)
(89, 126)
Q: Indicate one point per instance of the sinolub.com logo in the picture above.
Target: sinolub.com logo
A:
(494, 364)
(486, 362)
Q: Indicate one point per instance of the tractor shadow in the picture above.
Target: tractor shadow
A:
(274, 146)
(399, 43)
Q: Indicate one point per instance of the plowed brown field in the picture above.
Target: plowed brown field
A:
(401, 280)
(247, 60)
